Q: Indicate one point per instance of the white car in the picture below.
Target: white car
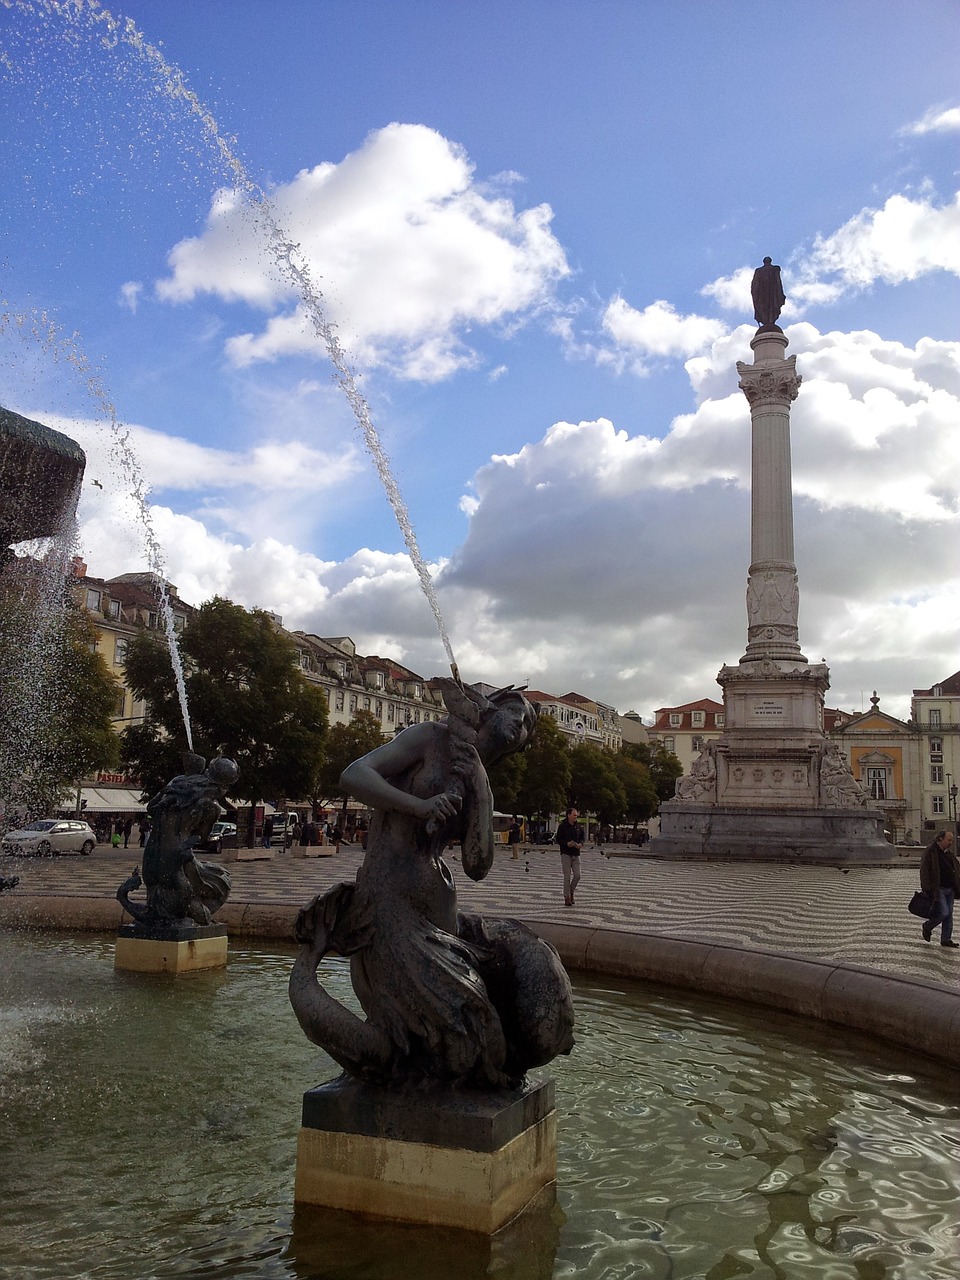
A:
(222, 829)
(48, 837)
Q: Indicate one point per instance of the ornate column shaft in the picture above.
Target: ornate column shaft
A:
(770, 385)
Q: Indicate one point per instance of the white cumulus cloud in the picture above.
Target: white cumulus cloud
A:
(408, 251)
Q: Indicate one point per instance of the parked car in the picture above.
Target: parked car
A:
(48, 837)
(214, 841)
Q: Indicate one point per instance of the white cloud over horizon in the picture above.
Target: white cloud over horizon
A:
(399, 227)
(615, 564)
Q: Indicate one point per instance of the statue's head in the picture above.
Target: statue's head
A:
(223, 772)
(507, 724)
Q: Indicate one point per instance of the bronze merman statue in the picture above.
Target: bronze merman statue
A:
(449, 998)
(182, 890)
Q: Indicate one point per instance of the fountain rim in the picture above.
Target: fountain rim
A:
(916, 1014)
(16, 426)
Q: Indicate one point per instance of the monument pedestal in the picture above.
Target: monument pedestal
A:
(467, 1159)
(821, 837)
(174, 950)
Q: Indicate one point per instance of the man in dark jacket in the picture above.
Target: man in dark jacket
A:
(940, 877)
(570, 840)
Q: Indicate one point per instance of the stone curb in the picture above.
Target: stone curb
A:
(917, 1014)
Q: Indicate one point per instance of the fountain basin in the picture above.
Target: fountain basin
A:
(39, 470)
(693, 1135)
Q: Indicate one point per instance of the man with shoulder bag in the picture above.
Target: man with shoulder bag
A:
(940, 878)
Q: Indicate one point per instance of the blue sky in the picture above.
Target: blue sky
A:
(533, 226)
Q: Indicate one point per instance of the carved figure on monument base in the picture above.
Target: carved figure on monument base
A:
(838, 786)
(700, 784)
(449, 998)
(773, 599)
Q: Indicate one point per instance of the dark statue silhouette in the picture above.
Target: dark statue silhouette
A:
(766, 290)
(450, 998)
(181, 889)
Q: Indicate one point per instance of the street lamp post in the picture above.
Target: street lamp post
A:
(953, 809)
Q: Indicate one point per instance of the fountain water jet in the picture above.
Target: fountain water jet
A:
(47, 335)
(114, 31)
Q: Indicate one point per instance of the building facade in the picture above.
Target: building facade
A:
(884, 754)
(686, 729)
(936, 715)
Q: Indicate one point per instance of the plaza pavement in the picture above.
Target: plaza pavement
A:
(830, 943)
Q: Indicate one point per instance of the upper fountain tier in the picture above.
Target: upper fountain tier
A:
(39, 471)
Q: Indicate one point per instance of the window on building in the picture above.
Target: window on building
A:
(113, 609)
(675, 718)
(179, 621)
(418, 692)
(938, 804)
(120, 651)
(390, 713)
(152, 621)
(378, 709)
(719, 719)
(936, 773)
(416, 717)
(378, 679)
(696, 743)
(93, 599)
(698, 719)
(366, 703)
(936, 746)
(934, 718)
(353, 703)
(339, 701)
(877, 783)
(120, 706)
(668, 744)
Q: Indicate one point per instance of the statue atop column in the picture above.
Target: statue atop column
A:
(766, 289)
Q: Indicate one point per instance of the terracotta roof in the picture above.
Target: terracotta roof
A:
(949, 688)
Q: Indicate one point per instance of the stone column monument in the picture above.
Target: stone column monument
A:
(772, 788)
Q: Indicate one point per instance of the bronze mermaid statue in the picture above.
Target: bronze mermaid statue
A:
(451, 999)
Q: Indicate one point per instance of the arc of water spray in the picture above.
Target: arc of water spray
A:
(49, 336)
(290, 262)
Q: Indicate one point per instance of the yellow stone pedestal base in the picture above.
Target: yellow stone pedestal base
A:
(414, 1182)
(154, 955)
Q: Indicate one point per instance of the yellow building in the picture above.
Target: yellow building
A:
(885, 758)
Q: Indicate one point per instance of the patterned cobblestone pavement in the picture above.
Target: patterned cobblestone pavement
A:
(856, 917)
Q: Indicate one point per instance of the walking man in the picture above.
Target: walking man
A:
(570, 840)
(940, 877)
(513, 838)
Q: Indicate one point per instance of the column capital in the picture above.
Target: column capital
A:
(773, 383)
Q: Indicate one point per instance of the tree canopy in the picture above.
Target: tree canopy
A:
(663, 766)
(60, 684)
(247, 699)
(345, 743)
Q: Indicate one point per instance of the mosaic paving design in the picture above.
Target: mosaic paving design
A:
(855, 917)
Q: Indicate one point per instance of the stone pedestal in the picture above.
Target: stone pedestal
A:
(820, 837)
(470, 1160)
(175, 950)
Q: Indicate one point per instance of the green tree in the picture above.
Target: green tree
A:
(641, 794)
(506, 782)
(663, 765)
(247, 698)
(345, 743)
(64, 686)
(595, 786)
(546, 775)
